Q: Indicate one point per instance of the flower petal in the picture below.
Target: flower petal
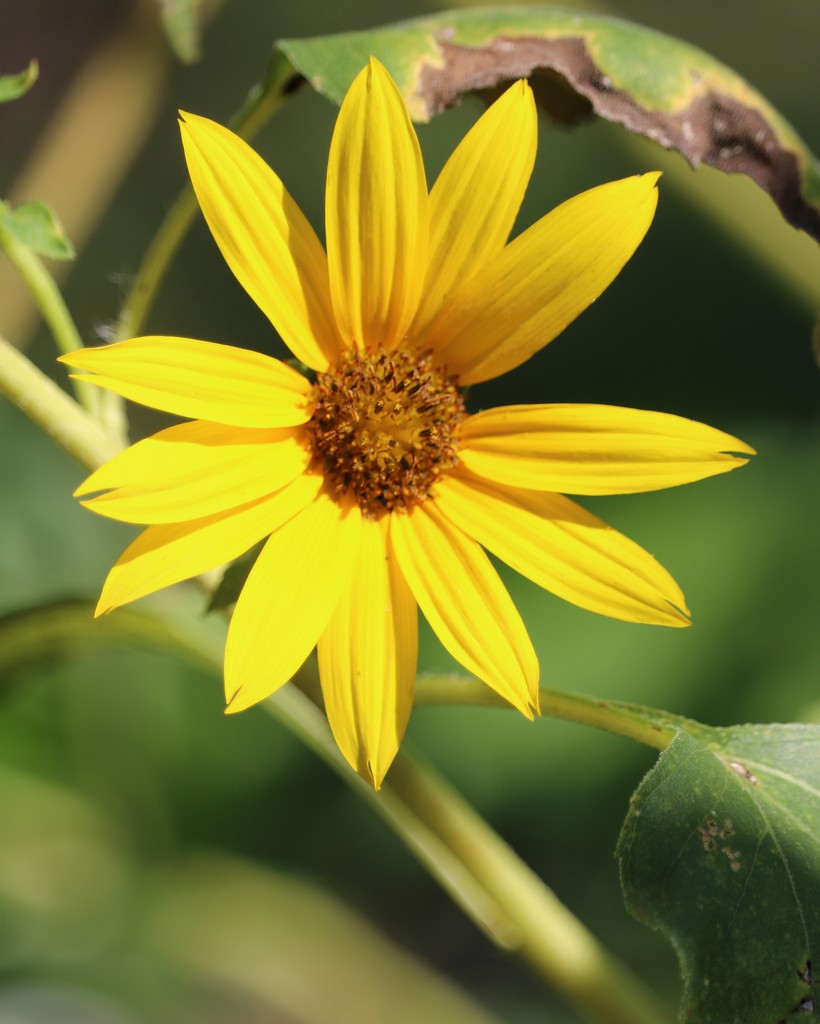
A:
(593, 449)
(367, 658)
(464, 600)
(563, 548)
(288, 598)
(376, 213)
(476, 198)
(194, 470)
(542, 280)
(266, 241)
(166, 554)
(200, 380)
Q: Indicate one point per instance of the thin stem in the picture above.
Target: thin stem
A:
(485, 877)
(51, 408)
(50, 301)
(542, 930)
(471, 862)
(646, 725)
(262, 102)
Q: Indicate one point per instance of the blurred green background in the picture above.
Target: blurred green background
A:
(162, 863)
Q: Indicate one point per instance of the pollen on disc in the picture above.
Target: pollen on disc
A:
(385, 426)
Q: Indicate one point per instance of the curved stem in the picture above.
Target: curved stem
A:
(482, 874)
(646, 725)
(106, 407)
(51, 408)
(262, 102)
(485, 877)
(50, 301)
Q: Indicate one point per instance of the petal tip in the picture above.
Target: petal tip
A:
(233, 704)
(373, 777)
(681, 617)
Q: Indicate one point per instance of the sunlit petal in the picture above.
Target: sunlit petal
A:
(166, 554)
(564, 549)
(465, 602)
(195, 470)
(288, 599)
(367, 658)
(594, 449)
(266, 241)
(200, 380)
(476, 198)
(376, 213)
(527, 294)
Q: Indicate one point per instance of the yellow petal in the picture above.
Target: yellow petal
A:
(194, 470)
(593, 449)
(166, 554)
(561, 547)
(288, 598)
(542, 280)
(266, 241)
(464, 600)
(367, 658)
(476, 198)
(376, 213)
(200, 380)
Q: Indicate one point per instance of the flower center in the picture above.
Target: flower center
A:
(385, 426)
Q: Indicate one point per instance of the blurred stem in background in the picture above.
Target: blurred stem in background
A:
(484, 876)
(49, 299)
(112, 100)
(472, 863)
(105, 407)
(481, 873)
(116, 95)
(263, 101)
(47, 405)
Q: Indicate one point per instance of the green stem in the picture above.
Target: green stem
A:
(537, 926)
(471, 862)
(51, 408)
(485, 877)
(646, 725)
(262, 102)
(50, 301)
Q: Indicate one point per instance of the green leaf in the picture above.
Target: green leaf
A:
(180, 19)
(720, 851)
(12, 87)
(649, 82)
(37, 226)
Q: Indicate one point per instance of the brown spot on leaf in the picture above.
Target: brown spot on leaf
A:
(741, 769)
(714, 129)
(710, 831)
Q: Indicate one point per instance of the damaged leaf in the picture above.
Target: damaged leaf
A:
(651, 83)
(720, 851)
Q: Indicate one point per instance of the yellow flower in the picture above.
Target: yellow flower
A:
(377, 492)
